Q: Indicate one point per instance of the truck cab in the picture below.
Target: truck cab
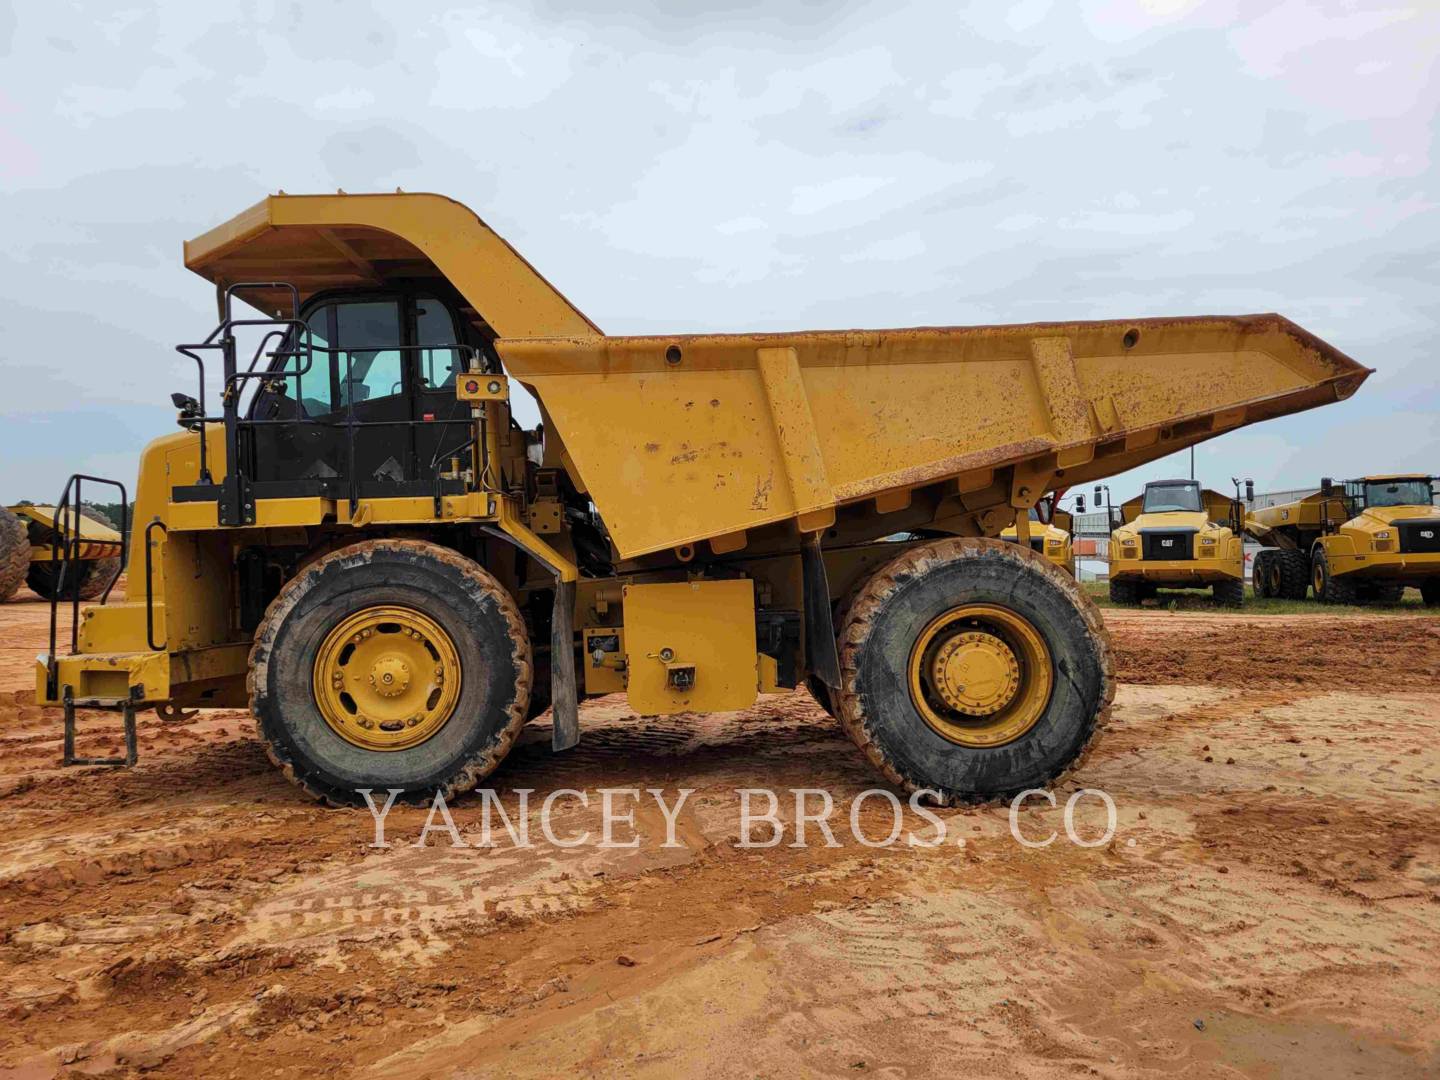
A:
(1176, 535)
(1389, 539)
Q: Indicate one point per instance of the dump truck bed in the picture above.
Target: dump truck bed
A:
(687, 438)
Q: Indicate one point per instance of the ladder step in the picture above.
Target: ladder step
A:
(127, 710)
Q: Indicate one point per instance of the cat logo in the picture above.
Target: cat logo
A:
(1284, 515)
(1428, 534)
(1167, 543)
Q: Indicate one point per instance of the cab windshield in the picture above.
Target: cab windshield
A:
(1164, 498)
(1398, 493)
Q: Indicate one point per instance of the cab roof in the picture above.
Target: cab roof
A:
(323, 242)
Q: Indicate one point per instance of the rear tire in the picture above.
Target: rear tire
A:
(1265, 575)
(1125, 592)
(995, 591)
(85, 579)
(1294, 569)
(1330, 589)
(14, 554)
(1430, 593)
(475, 623)
(1230, 592)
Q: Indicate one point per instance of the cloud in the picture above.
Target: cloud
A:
(747, 165)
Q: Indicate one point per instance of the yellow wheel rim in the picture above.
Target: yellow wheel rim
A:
(387, 678)
(980, 675)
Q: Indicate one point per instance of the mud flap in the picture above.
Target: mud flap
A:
(820, 651)
(564, 703)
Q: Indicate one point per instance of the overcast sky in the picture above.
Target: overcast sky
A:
(771, 165)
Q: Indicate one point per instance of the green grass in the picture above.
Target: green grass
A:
(1197, 600)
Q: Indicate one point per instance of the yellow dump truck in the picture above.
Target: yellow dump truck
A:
(1050, 535)
(30, 552)
(364, 547)
(1359, 542)
(1176, 535)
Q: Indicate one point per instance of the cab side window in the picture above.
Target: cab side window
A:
(435, 326)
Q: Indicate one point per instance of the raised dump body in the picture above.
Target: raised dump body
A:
(362, 544)
(743, 431)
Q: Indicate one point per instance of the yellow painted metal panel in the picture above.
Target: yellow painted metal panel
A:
(680, 439)
(707, 624)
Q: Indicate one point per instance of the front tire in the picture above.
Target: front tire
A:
(1230, 592)
(1330, 589)
(390, 664)
(1430, 593)
(1125, 591)
(974, 669)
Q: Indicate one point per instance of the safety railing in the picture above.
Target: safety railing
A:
(64, 560)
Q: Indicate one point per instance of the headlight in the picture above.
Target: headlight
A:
(1209, 540)
(1128, 542)
(1383, 534)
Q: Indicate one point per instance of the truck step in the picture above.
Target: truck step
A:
(125, 706)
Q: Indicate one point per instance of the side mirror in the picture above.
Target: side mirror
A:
(1079, 504)
(190, 411)
(1098, 495)
(1249, 490)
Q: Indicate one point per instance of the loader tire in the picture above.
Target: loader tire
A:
(973, 670)
(1330, 589)
(1126, 592)
(1230, 592)
(1294, 574)
(368, 623)
(1430, 593)
(14, 554)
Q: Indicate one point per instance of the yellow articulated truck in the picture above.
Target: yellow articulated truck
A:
(358, 542)
(1359, 542)
(1051, 532)
(1177, 535)
(29, 553)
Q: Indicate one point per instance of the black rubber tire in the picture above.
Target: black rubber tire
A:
(85, 579)
(484, 625)
(1330, 589)
(14, 554)
(1125, 591)
(1294, 574)
(891, 611)
(1229, 593)
(1430, 593)
(1265, 575)
(1384, 593)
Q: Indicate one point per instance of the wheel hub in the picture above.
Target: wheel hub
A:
(980, 675)
(386, 678)
(389, 676)
(976, 673)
